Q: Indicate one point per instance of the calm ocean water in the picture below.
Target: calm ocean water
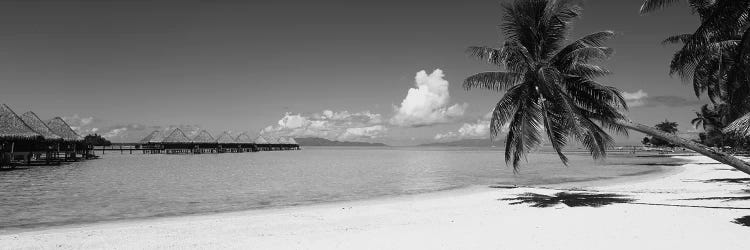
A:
(138, 186)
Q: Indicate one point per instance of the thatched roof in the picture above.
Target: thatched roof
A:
(177, 136)
(13, 127)
(243, 138)
(291, 140)
(204, 137)
(283, 140)
(260, 140)
(62, 129)
(271, 139)
(225, 138)
(154, 137)
(36, 124)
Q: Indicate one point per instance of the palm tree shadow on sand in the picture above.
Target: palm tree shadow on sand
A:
(744, 221)
(569, 199)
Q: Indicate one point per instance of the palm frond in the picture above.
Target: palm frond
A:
(505, 108)
(584, 55)
(588, 71)
(524, 135)
(491, 55)
(681, 38)
(495, 81)
(653, 5)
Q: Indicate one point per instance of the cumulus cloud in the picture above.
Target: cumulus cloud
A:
(363, 133)
(476, 130)
(635, 99)
(328, 124)
(428, 103)
(642, 99)
(81, 124)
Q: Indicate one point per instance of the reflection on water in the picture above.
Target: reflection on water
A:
(137, 186)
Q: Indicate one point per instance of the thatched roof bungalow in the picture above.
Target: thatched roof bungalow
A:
(243, 138)
(176, 136)
(225, 138)
(12, 127)
(154, 137)
(36, 124)
(282, 140)
(204, 137)
(271, 140)
(292, 141)
(260, 140)
(62, 129)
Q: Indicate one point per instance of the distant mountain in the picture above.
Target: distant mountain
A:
(315, 141)
(465, 143)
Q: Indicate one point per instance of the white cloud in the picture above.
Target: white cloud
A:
(635, 99)
(328, 124)
(82, 125)
(371, 132)
(114, 133)
(428, 103)
(476, 130)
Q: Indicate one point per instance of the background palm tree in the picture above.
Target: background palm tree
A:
(708, 118)
(550, 86)
(716, 57)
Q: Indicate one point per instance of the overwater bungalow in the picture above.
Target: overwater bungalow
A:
(245, 142)
(261, 143)
(173, 142)
(227, 144)
(49, 149)
(177, 142)
(283, 143)
(204, 142)
(17, 139)
(274, 142)
(151, 144)
(73, 144)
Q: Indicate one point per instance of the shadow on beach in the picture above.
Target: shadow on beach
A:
(729, 180)
(569, 199)
(744, 221)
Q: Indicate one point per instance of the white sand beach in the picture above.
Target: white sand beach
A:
(474, 218)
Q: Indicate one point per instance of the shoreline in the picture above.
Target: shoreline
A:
(658, 171)
(469, 218)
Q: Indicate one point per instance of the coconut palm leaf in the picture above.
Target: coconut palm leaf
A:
(496, 81)
(681, 38)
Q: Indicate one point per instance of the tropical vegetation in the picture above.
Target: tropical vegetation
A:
(96, 140)
(666, 127)
(715, 58)
(550, 87)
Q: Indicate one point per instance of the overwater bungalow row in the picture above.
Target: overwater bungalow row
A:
(27, 140)
(176, 142)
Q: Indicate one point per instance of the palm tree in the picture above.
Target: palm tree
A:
(709, 118)
(550, 87)
(716, 56)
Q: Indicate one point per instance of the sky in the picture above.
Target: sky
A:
(379, 71)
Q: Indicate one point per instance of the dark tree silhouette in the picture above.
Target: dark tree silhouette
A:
(96, 140)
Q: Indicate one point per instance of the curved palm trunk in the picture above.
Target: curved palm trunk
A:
(697, 147)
